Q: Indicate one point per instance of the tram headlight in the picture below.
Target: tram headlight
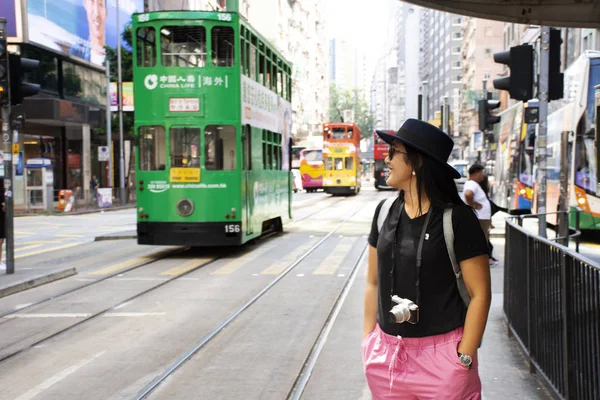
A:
(581, 201)
(185, 207)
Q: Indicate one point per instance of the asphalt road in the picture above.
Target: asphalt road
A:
(254, 315)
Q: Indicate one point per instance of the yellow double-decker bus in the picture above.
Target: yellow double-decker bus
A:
(341, 158)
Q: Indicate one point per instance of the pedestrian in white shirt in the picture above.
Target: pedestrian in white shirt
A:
(474, 196)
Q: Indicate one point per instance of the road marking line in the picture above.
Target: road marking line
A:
(141, 279)
(237, 263)
(120, 266)
(333, 261)
(33, 253)
(57, 378)
(56, 315)
(186, 266)
(278, 267)
(134, 314)
(70, 235)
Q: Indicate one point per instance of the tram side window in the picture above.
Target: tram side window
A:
(222, 46)
(146, 47)
(349, 163)
(153, 152)
(585, 170)
(185, 143)
(219, 147)
(183, 46)
(328, 164)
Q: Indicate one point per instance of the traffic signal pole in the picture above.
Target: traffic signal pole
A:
(7, 147)
(542, 138)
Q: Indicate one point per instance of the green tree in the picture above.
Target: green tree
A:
(351, 100)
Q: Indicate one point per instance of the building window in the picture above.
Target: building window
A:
(219, 147)
(488, 52)
(153, 152)
(185, 143)
(457, 35)
(183, 46)
(222, 51)
(146, 47)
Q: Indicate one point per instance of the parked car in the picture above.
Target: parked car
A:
(297, 181)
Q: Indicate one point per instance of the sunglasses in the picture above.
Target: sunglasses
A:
(392, 151)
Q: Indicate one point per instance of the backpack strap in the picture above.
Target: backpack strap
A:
(449, 238)
(384, 211)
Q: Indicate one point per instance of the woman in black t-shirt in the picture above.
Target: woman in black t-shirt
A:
(420, 339)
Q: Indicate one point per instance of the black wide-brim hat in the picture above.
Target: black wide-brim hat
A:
(426, 139)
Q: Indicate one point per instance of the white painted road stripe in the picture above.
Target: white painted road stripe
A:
(57, 378)
(64, 315)
(84, 315)
(134, 314)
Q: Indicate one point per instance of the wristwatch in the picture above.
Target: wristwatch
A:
(465, 360)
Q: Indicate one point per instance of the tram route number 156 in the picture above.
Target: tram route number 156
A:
(232, 229)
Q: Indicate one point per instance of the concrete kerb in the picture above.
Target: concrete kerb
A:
(30, 283)
(116, 236)
(64, 214)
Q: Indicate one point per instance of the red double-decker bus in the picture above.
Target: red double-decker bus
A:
(380, 152)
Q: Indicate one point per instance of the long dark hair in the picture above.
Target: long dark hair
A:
(433, 180)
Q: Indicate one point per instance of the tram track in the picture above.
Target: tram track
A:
(7, 317)
(151, 259)
(107, 309)
(180, 361)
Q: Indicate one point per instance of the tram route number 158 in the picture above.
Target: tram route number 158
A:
(232, 229)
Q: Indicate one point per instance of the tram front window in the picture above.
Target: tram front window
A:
(185, 143)
(153, 152)
(349, 163)
(313, 156)
(338, 133)
(339, 164)
(585, 170)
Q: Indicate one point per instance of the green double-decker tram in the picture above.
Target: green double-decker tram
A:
(213, 122)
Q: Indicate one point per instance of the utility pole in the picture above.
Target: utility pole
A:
(7, 148)
(563, 216)
(120, 96)
(541, 140)
(109, 126)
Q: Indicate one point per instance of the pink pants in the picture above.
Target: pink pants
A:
(418, 368)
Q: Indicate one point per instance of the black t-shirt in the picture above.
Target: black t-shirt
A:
(441, 309)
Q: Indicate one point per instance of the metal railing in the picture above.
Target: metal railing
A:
(552, 306)
(564, 240)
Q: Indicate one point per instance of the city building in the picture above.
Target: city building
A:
(481, 39)
(65, 122)
(441, 63)
(297, 29)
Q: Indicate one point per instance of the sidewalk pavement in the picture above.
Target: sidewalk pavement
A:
(503, 366)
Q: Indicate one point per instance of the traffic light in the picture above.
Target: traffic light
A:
(555, 77)
(4, 86)
(520, 82)
(486, 119)
(19, 88)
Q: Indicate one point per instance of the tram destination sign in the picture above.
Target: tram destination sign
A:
(184, 105)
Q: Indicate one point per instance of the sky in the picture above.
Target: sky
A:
(365, 26)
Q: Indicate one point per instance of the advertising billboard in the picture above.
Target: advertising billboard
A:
(79, 28)
(7, 10)
(127, 96)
